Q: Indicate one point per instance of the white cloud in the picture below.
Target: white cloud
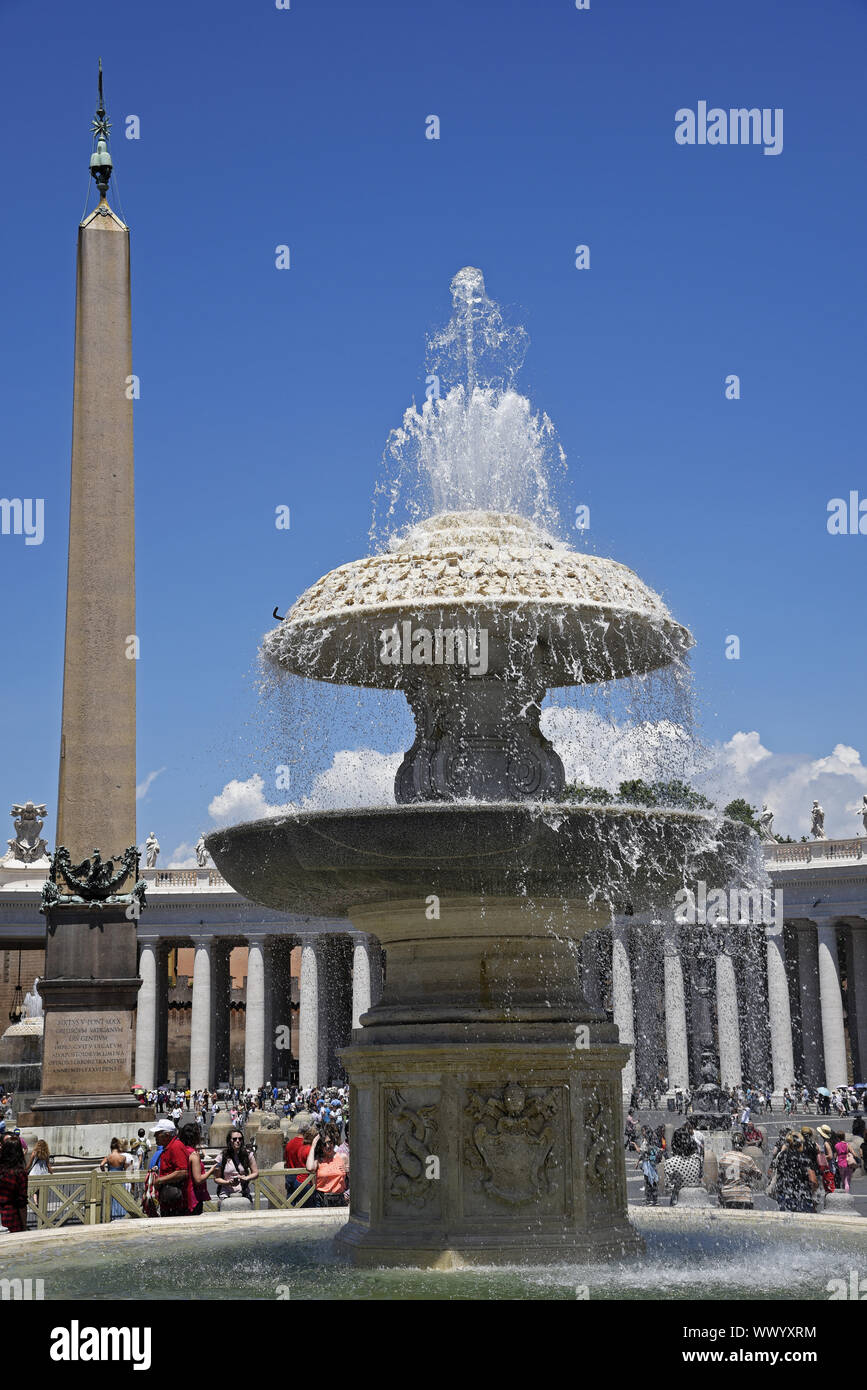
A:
(744, 751)
(357, 777)
(789, 783)
(243, 801)
(144, 787)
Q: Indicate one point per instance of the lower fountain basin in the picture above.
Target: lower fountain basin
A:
(267, 1255)
(327, 862)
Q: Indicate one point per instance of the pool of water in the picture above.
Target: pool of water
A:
(782, 1259)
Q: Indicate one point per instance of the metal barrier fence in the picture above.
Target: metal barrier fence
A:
(91, 1199)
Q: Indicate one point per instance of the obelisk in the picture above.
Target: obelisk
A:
(91, 908)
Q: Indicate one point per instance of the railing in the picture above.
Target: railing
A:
(13, 874)
(95, 1198)
(816, 851)
(184, 878)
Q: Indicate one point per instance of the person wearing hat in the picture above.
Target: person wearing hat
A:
(173, 1173)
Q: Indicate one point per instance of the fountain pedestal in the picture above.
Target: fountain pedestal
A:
(484, 1092)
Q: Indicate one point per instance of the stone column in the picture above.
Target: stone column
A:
(162, 1048)
(361, 993)
(200, 1022)
(811, 1016)
(335, 1020)
(675, 1012)
(254, 1023)
(779, 1012)
(858, 994)
(278, 1034)
(308, 1021)
(221, 986)
(752, 981)
(646, 1006)
(621, 988)
(146, 1013)
(831, 999)
(728, 1020)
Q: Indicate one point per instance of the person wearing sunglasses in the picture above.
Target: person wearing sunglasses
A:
(236, 1168)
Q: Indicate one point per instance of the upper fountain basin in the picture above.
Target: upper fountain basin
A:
(550, 612)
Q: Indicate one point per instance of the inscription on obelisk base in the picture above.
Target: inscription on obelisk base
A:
(82, 1044)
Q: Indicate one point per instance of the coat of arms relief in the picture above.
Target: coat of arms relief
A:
(511, 1144)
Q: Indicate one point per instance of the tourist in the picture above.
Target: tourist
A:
(685, 1164)
(648, 1161)
(173, 1172)
(331, 1170)
(235, 1168)
(827, 1157)
(846, 1160)
(295, 1155)
(197, 1183)
(117, 1160)
(753, 1136)
(738, 1174)
(162, 1132)
(13, 1185)
(796, 1180)
(631, 1136)
(39, 1162)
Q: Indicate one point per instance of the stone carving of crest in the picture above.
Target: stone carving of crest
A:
(28, 845)
(511, 1145)
(412, 1135)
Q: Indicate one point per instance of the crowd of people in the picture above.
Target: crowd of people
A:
(803, 1167)
(806, 1100)
(806, 1166)
(181, 1174)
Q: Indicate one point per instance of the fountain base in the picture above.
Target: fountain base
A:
(486, 1154)
(485, 1094)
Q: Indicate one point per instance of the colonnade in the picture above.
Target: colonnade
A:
(341, 977)
(776, 1005)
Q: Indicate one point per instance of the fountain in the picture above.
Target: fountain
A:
(485, 1090)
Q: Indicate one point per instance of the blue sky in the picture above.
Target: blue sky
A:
(260, 387)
